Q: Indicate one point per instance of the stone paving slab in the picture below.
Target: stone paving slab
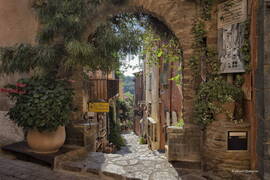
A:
(20, 170)
(134, 161)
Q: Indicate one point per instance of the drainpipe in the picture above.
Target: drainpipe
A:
(171, 83)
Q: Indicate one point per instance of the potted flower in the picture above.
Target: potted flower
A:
(42, 107)
(216, 101)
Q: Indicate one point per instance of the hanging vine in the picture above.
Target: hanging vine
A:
(167, 49)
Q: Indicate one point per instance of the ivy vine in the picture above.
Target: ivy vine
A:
(245, 49)
(202, 54)
(206, 8)
(206, 65)
(163, 49)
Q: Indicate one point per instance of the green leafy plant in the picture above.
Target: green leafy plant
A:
(199, 45)
(180, 122)
(43, 103)
(201, 53)
(142, 140)
(126, 107)
(206, 8)
(213, 91)
(211, 95)
(115, 134)
(62, 44)
(245, 49)
(115, 137)
(163, 49)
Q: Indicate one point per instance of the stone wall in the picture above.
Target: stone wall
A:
(181, 147)
(9, 132)
(262, 87)
(18, 24)
(82, 135)
(267, 90)
(217, 159)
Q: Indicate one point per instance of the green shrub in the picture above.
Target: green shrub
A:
(115, 136)
(115, 131)
(142, 140)
(211, 95)
(42, 103)
(180, 123)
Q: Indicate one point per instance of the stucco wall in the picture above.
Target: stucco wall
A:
(18, 24)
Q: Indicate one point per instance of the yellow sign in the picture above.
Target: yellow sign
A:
(98, 107)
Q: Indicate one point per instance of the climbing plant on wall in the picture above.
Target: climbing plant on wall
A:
(204, 61)
(211, 87)
(167, 49)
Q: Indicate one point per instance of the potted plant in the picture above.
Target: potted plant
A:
(42, 107)
(216, 101)
(223, 98)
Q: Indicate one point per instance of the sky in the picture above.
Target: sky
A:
(133, 62)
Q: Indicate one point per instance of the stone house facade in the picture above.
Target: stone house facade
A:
(163, 101)
(139, 102)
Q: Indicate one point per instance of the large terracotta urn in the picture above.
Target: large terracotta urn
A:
(226, 113)
(46, 141)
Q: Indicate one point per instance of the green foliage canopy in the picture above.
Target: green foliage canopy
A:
(61, 46)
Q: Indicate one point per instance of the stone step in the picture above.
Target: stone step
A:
(187, 164)
(22, 152)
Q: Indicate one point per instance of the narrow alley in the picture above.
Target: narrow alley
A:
(133, 161)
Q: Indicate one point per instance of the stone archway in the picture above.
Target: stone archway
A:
(178, 17)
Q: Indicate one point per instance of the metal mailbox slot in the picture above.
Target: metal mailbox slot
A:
(237, 140)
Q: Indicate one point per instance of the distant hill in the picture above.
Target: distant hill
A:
(129, 84)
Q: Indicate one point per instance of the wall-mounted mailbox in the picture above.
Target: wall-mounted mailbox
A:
(237, 140)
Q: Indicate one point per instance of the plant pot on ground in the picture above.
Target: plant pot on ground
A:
(43, 106)
(46, 141)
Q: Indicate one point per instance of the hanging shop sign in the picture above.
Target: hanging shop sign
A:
(98, 107)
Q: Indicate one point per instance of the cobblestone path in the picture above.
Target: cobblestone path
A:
(134, 161)
(20, 170)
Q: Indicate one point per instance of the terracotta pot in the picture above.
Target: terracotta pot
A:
(46, 142)
(227, 111)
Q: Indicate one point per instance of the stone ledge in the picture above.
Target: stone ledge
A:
(175, 129)
(188, 164)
